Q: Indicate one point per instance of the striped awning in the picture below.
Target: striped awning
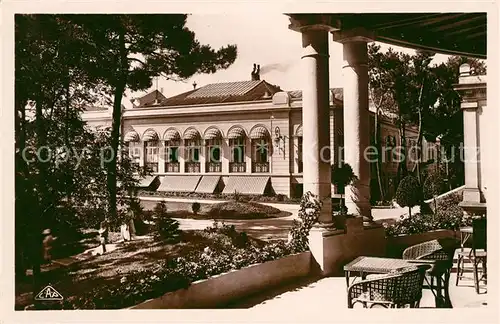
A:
(212, 133)
(236, 132)
(259, 132)
(246, 185)
(191, 134)
(171, 135)
(299, 131)
(208, 184)
(150, 136)
(181, 183)
(143, 182)
(131, 136)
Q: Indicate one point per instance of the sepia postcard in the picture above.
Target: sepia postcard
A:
(249, 162)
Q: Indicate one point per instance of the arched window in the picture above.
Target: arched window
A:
(151, 144)
(192, 143)
(260, 149)
(172, 143)
(237, 139)
(213, 142)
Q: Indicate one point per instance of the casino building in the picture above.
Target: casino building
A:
(243, 136)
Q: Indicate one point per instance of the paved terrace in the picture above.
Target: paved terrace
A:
(318, 295)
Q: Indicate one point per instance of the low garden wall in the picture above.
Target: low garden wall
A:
(333, 251)
(224, 288)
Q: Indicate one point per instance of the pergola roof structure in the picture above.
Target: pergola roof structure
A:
(446, 33)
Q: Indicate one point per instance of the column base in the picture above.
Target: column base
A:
(318, 247)
(471, 195)
(359, 209)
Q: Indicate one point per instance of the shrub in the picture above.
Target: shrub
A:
(310, 208)
(237, 196)
(160, 210)
(434, 185)
(447, 216)
(409, 193)
(196, 207)
(241, 210)
(342, 176)
(167, 229)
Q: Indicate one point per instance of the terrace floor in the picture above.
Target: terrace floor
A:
(330, 292)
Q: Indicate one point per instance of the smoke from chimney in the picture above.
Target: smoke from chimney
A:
(280, 67)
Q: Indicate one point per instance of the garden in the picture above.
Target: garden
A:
(167, 259)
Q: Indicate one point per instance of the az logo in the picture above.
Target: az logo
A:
(49, 293)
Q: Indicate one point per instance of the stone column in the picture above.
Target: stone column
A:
(356, 118)
(469, 87)
(203, 155)
(315, 119)
(162, 149)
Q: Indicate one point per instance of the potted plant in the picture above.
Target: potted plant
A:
(342, 176)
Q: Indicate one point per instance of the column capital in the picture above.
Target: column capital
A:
(315, 43)
(469, 106)
(353, 35)
(305, 22)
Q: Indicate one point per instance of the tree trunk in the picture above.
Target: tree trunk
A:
(419, 136)
(40, 198)
(115, 129)
(409, 211)
(378, 162)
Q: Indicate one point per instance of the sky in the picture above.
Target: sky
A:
(264, 39)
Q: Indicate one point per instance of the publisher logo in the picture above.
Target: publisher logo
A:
(49, 293)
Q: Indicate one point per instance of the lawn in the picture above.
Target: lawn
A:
(229, 210)
(128, 258)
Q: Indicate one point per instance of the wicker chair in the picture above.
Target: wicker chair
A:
(392, 290)
(441, 250)
(477, 253)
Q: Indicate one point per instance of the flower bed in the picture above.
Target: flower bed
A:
(229, 250)
(279, 198)
(219, 290)
(449, 216)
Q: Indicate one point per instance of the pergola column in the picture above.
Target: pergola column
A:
(315, 118)
(356, 118)
(473, 94)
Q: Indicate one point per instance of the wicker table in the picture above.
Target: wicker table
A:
(365, 265)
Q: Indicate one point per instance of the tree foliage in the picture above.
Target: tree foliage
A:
(342, 175)
(128, 51)
(411, 90)
(65, 63)
(409, 193)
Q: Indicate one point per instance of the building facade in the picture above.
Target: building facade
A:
(242, 136)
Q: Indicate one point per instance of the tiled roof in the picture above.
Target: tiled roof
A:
(149, 99)
(226, 89)
(220, 93)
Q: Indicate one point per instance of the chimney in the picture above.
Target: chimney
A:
(194, 85)
(257, 73)
(253, 72)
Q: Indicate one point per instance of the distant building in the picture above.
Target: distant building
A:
(235, 136)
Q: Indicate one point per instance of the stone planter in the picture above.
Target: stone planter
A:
(339, 220)
(234, 285)
(397, 244)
